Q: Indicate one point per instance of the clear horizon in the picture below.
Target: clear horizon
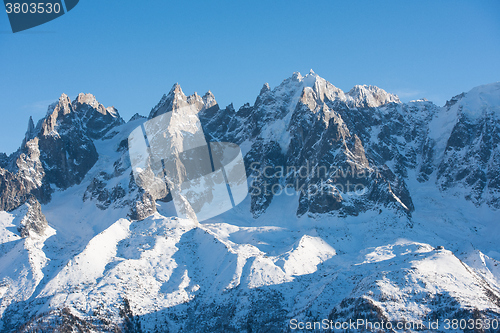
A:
(128, 56)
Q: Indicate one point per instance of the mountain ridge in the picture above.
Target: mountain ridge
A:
(415, 241)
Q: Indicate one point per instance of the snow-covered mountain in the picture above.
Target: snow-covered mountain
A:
(359, 207)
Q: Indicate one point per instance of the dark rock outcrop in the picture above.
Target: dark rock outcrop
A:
(24, 179)
(143, 206)
(33, 221)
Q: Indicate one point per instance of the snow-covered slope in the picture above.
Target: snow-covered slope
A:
(415, 242)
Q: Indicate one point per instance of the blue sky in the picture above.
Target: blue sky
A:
(129, 53)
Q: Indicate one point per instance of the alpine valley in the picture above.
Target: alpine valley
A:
(359, 207)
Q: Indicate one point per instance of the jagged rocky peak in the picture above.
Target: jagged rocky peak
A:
(136, 117)
(63, 106)
(66, 146)
(30, 132)
(370, 96)
(90, 100)
(85, 111)
(316, 94)
(209, 99)
(313, 89)
(176, 100)
(56, 110)
(59, 150)
(454, 100)
(169, 101)
(31, 127)
(265, 88)
(176, 90)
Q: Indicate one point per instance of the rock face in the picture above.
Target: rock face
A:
(143, 207)
(470, 161)
(33, 221)
(26, 178)
(67, 151)
(176, 99)
(59, 150)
